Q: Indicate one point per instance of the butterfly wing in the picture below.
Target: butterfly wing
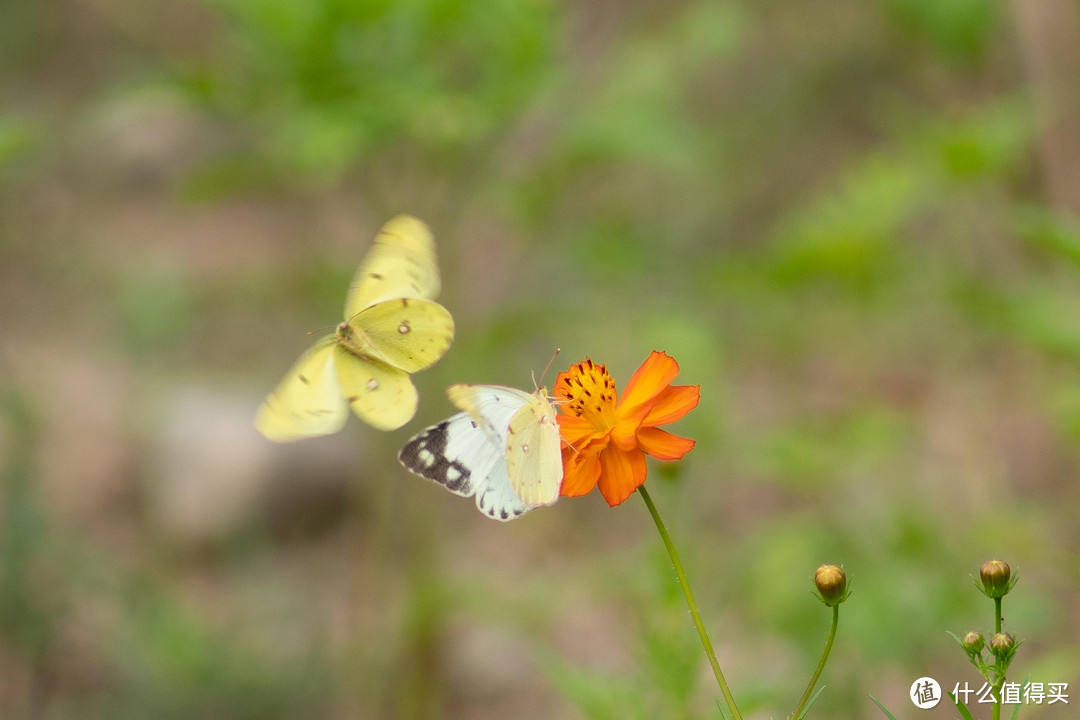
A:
(400, 264)
(491, 406)
(308, 401)
(497, 498)
(533, 452)
(380, 395)
(458, 455)
(406, 333)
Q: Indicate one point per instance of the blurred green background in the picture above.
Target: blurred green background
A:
(854, 224)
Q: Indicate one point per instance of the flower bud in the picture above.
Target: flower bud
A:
(973, 642)
(831, 584)
(1002, 644)
(995, 575)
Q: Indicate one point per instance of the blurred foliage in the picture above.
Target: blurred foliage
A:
(960, 30)
(834, 215)
(16, 139)
(331, 86)
(24, 615)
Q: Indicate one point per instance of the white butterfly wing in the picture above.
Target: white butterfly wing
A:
(459, 455)
(491, 406)
(534, 452)
(497, 498)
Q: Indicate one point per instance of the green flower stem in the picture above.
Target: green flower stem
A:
(999, 676)
(821, 664)
(690, 601)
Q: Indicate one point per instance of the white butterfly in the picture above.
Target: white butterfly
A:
(504, 449)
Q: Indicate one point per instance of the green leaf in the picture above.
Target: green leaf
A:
(883, 709)
(1016, 708)
(961, 707)
(1053, 232)
(810, 703)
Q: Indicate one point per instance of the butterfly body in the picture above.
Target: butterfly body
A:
(392, 328)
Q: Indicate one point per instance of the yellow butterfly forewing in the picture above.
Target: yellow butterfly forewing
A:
(400, 264)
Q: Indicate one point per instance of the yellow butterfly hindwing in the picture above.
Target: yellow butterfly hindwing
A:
(380, 395)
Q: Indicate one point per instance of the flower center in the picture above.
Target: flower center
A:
(589, 393)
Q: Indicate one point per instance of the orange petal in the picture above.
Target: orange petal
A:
(654, 375)
(624, 434)
(576, 431)
(562, 385)
(621, 473)
(662, 445)
(581, 470)
(672, 404)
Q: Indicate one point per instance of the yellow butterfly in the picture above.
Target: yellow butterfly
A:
(392, 328)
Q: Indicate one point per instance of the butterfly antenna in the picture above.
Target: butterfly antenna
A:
(547, 367)
(322, 329)
(353, 316)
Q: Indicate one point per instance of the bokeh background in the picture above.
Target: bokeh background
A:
(855, 225)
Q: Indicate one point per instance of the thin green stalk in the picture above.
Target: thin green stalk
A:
(821, 663)
(999, 678)
(705, 643)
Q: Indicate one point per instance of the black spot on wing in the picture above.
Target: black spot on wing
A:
(425, 455)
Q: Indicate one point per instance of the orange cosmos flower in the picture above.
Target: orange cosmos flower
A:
(605, 439)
